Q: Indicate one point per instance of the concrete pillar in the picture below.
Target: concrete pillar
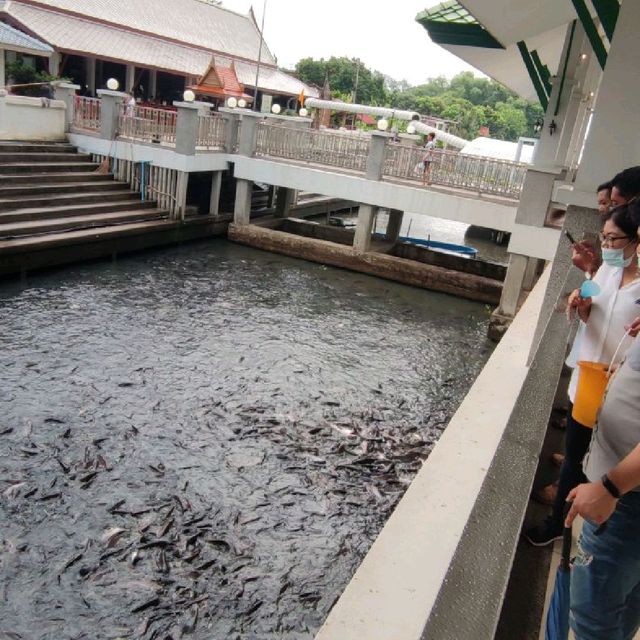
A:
(394, 225)
(216, 186)
(130, 78)
(242, 208)
(375, 161)
(366, 217)
(232, 122)
(285, 199)
(153, 83)
(248, 135)
(67, 93)
(183, 184)
(3, 78)
(609, 147)
(187, 126)
(531, 273)
(109, 108)
(90, 67)
(513, 285)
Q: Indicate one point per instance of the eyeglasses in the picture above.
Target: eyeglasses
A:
(611, 239)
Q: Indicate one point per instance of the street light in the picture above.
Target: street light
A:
(411, 129)
(232, 103)
(242, 103)
(276, 108)
(112, 84)
(188, 96)
(383, 124)
(303, 112)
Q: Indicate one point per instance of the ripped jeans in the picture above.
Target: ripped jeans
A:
(605, 578)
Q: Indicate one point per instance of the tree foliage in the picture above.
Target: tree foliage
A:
(471, 102)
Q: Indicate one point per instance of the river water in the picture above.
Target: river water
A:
(203, 441)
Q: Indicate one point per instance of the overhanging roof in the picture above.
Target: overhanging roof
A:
(541, 25)
(15, 40)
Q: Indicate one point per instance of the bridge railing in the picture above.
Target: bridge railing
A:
(451, 168)
(147, 124)
(334, 149)
(211, 132)
(86, 115)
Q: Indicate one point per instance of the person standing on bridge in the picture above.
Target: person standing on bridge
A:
(428, 157)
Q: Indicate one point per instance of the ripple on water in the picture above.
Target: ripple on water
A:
(206, 440)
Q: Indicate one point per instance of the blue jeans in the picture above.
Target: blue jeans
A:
(605, 578)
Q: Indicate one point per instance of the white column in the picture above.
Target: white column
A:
(54, 64)
(130, 78)
(216, 185)
(547, 149)
(91, 75)
(242, 208)
(611, 143)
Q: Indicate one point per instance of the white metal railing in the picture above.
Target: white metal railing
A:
(86, 113)
(147, 124)
(211, 132)
(450, 168)
(344, 150)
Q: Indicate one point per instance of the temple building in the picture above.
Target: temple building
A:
(154, 48)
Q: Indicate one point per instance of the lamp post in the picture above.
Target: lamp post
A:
(255, 93)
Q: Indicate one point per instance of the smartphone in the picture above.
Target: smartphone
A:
(569, 237)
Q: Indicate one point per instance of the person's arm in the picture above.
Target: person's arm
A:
(634, 328)
(585, 257)
(594, 502)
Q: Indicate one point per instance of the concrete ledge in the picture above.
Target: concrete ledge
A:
(439, 568)
(408, 272)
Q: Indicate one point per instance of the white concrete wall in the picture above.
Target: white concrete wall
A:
(23, 118)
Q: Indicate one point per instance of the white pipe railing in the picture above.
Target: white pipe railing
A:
(449, 138)
(345, 150)
(147, 124)
(363, 109)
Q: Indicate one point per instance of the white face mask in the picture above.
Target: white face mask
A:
(615, 258)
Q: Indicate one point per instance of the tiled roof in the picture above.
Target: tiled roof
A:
(190, 22)
(15, 40)
(272, 80)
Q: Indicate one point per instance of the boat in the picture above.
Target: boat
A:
(441, 246)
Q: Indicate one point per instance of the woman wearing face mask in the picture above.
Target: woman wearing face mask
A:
(605, 319)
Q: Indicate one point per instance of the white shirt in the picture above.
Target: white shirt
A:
(612, 309)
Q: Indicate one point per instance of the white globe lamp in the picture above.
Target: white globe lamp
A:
(303, 112)
(383, 124)
(242, 103)
(189, 96)
(411, 129)
(232, 103)
(276, 108)
(112, 84)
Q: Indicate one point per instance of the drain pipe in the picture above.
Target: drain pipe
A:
(449, 138)
(347, 107)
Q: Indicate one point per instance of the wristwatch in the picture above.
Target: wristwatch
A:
(610, 487)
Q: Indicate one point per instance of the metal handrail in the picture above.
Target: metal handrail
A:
(451, 168)
(335, 149)
(211, 132)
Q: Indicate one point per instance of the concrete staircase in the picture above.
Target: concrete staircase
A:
(51, 197)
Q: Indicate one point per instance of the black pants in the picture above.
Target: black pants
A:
(577, 439)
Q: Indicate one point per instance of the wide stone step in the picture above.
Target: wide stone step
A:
(46, 167)
(37, 147)
(29, 191)
(36, 157)
(53, 178)
(78, 222)
(15, 204)
(53, 213)
(83, 236)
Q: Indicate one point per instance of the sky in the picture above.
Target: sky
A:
(385, 36)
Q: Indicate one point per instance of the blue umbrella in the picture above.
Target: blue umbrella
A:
(558, 614)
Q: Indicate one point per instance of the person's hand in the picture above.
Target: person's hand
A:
(634, 328)
(591, 501)
(576, 302)
(585, 256)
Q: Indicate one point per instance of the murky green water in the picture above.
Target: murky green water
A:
(204, 441)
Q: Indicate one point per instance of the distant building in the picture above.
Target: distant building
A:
(156, 48)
